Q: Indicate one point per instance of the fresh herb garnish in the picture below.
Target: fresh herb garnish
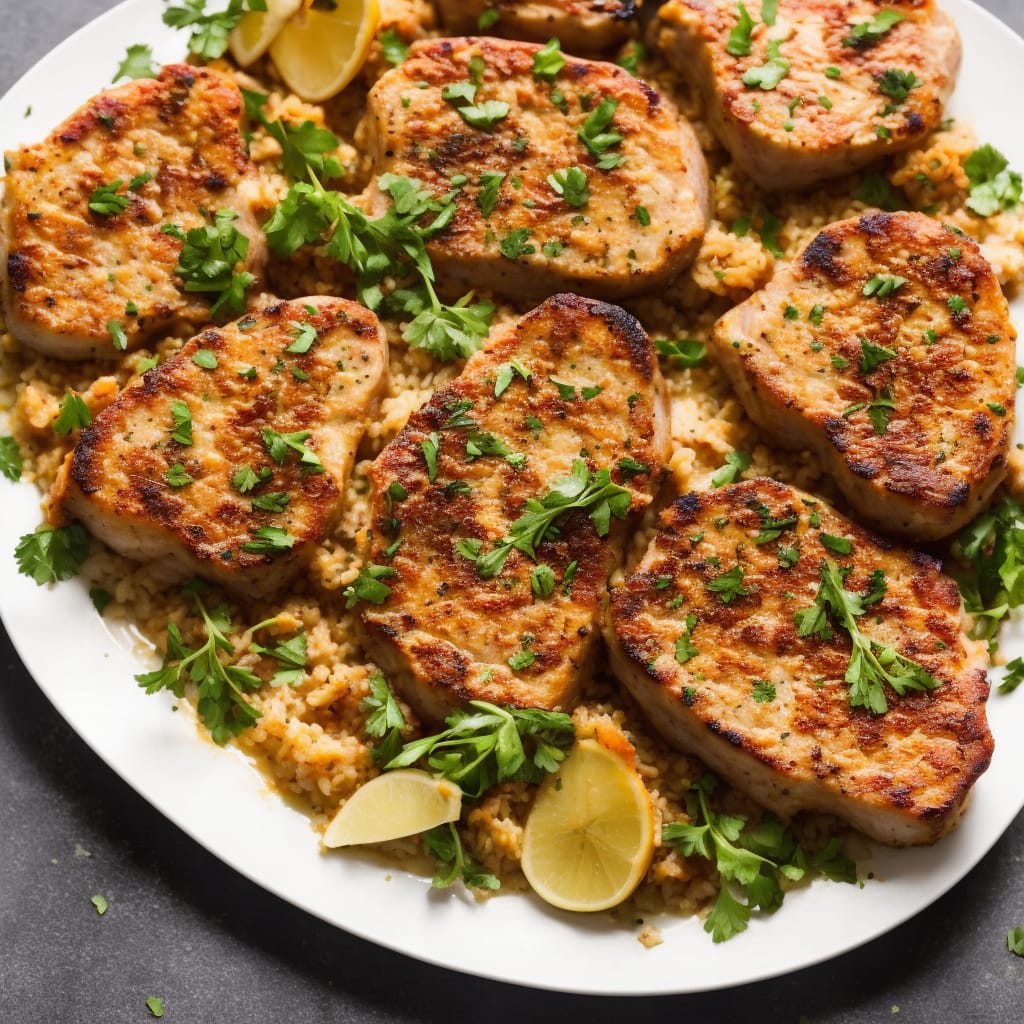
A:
(392, 47)
(768, 75)
(278, 445)
(221, 687)
(881, 286)
(10, 458)
(994, 186)
(445, 845)
(736, 464)
(897, 85)
(594, 134)
(872, 665)
(728, 585)
(684, 643)
(209, 260)
(867, 33)
(73, 415)
(548, 61)
(368, 586)
(177, 477)
(739, 38)
(872, 356)
(138, 63)
(755, 860)
(685, 353)
(52, 554)
(210, 32)
(269, 540)
(571, 184)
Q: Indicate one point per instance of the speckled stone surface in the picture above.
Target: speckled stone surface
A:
(218, 949)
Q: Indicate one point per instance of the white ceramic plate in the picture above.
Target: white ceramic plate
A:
(218, 799)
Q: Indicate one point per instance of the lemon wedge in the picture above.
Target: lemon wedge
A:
(395, 804)
(318, 52)
(590, 836)
(252, 36)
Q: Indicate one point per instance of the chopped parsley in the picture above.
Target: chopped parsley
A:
(209, 260)
(177, 477)
(269, 540)
(897, 85)
(73, 415)
(685, 353)
(486, 115)
(881, 286)
(548, 61)
(542, 580)
(736, 464)
(769, 74)
(490, 186)
(872, 355)
(571, 184)
(684, 644)
(393, 49)
(595, 135)
(205, 359)
(368, 587)
(431, 446)
(278, 445)
(867, 33)
(763, 691)
(1013, 676)
(516, 244)
(739, 38)
(506, 373)
(728, 585)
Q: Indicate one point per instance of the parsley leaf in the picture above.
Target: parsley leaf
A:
(763, 691)
(269, 540)
(897, 85)
(872, 665)
(872, 355)
(209, 259)
(994, 186)
(385, 721)
(1014, 676)
(881, 286)
(278, 446)
(485, 744)
(572, 185)
(736, 464)
(74, 414)
(291, 655)
(137, 63)
(177, 477)
(594, 134)
(769, 74)
(10, 458)
(728, 585)
(368, 586)
(867, 33)
(548, 61)
(1015, 941)
(182, 417)
(393, 48)
(52, 554)
(739, 38)
(210, 32)
(685, 353)
(486, 115)
(490, 186)
(514, 244)
(155, 1005)
(684, 646)
(445, 845)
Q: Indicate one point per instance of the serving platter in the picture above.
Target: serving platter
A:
(217, 797)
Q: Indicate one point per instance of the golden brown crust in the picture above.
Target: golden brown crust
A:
(944, 448)
(603, 248)
(116, 477)
(901, 777)
(444, 635)
(786, 137)
(70, 271)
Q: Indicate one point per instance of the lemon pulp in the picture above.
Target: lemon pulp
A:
(395, 804)
(590, 836)
(318, 52)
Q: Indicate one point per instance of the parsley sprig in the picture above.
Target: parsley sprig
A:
(485, 744)
(210, 32)
(872, 665)
(994, 186)
(593, 492)
(390, 246)
(305, 147)
(221, 687)
(756, 860)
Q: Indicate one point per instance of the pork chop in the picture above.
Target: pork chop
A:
(230, 459)
(887, 349)
(577, 178)
(546, 439)
(823, 90)
(582, 26)
(84, 213)
(711, 636)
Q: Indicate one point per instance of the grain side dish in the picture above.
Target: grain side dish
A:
(312, 705)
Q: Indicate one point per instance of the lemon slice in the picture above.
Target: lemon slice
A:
(251, 38)
(395, 804)
(319, 52)
(590, 836)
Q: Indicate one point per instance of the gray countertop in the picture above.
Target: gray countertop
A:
(215, 947)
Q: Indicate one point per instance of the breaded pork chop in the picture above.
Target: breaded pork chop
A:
(539, 210)
(887, 349)
(582, 26)
(172, 144)
(706, 634)
(826, 89)
(230, 459)
(569, 393)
